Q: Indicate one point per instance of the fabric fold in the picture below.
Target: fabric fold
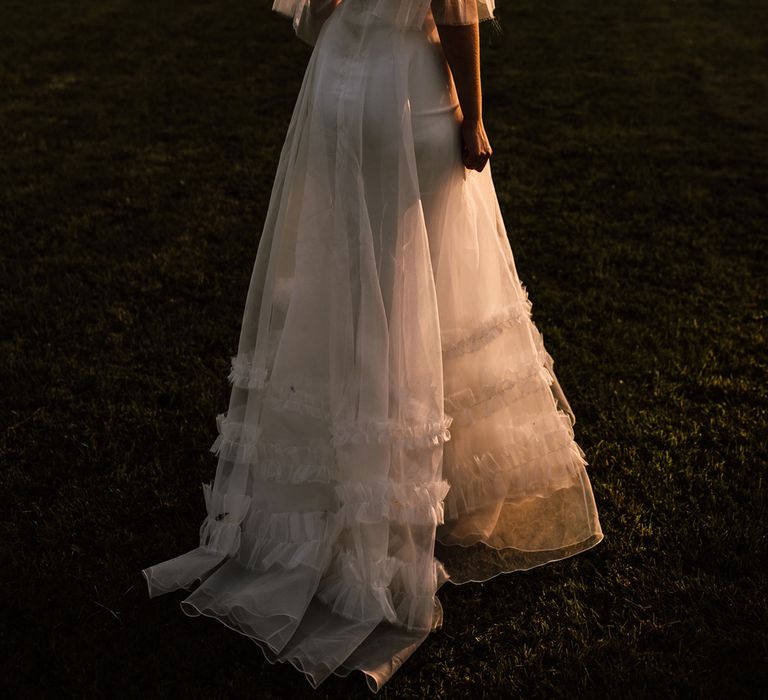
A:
(219, 538)
(359, 589)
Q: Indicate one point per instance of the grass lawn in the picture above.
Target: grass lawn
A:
(138, 143)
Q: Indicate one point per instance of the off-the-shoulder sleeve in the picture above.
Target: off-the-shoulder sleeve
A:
(462, 11)
(308, 16)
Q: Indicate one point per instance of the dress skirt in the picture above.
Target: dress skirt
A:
(394, 419)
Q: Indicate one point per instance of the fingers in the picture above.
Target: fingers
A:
(476, 161)
(475, 164)
(475, 149)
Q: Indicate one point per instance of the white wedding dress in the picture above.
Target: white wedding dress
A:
(394, 420)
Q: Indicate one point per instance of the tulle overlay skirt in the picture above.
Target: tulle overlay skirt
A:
(394, 419)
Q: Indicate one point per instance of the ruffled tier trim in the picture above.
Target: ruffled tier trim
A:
(354, 587)
(295, 538)
(289, 539)
(307, 400)
(288, 464)
(531, 460)
(285, 538)
(241, 443)
(372, 502)
(311, 400)
(359, 590)
(468, 405)
(410, 435)
(261, 539)
(246, 373)
(390, 588)
(459, 342)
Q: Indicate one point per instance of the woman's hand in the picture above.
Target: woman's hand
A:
(475, 148)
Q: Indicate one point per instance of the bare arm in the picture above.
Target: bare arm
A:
(461, 46)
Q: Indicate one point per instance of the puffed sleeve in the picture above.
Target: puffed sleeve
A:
(462, 11)
(308, 16)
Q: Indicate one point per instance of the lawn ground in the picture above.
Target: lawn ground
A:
(138, 142)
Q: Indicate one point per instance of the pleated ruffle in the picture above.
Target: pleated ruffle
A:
(419, 503)
(469, 404)
(272, 461)
(359, 590)
(425, 434)
(458, 342)
(290, 539)
(352, 584)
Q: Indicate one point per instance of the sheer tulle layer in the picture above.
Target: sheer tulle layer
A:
(394, 419)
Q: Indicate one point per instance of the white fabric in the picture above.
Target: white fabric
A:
(390, 395)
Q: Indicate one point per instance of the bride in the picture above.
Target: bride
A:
(394, 419)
